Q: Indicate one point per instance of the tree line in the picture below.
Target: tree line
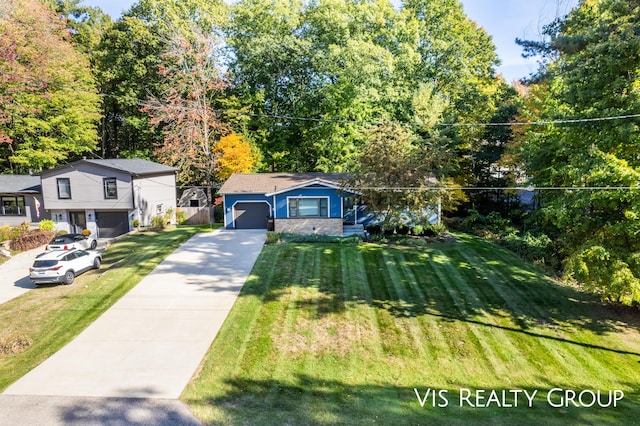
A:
(345, 85)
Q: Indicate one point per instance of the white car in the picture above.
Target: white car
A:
(62, 266)
(70, 241)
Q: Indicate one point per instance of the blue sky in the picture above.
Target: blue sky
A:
(504, 20)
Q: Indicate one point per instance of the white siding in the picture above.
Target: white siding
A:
(155, 195)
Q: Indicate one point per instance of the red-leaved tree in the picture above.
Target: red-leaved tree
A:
(185, 111)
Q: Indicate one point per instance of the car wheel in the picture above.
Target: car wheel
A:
(96, 263)
(94, 244)
(69, 277)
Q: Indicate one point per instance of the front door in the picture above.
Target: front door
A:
(77, 222)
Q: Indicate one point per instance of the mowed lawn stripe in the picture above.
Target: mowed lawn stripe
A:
(576, 359)
(352, 329)
(457, 310)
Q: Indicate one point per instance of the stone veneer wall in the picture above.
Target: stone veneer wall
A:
(310, 226)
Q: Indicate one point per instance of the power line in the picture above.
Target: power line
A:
(493, 188)
(560, 121)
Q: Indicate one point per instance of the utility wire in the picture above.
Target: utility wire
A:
(492, 188)
(561, 121)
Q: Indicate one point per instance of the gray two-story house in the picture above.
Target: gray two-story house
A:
(106, 196)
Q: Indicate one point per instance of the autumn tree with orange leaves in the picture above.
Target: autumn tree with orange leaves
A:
(235, 156)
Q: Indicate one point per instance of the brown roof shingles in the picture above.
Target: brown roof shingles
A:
(265, 183)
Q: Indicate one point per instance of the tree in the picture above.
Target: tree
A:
(49, 107)
(399, 173)
(594, 71)
(234, 156)
(185, 110)
(128, 58)
(326, 68)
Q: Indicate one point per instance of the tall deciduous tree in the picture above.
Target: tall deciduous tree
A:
(186, 112)
(128, 58)
(594, 71)
(398, 172)
(49, 107)
(339, 63)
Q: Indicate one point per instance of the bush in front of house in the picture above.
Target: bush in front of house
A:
(273, 237)
(158, 222)
(47, 225)
(31, 240)
(9, 233)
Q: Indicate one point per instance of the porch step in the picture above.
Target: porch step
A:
(352, 230)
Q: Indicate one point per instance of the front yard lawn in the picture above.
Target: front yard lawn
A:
(359, 334)
(41, 321)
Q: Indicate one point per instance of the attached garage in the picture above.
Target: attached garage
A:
(251, 215)
(112, 224)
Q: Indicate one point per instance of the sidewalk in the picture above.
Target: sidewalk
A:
(149, 344)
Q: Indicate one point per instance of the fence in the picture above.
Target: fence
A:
(197, 215)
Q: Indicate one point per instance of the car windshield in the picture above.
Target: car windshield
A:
(61, 240)
(44, 263)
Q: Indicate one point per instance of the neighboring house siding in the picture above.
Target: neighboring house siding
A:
(87, 188)
(155, 195)
(107, 195)
(27, 214)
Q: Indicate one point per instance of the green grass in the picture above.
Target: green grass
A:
(43, 320)
(345, 333)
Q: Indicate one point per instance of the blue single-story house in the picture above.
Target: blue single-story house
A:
(302, 203)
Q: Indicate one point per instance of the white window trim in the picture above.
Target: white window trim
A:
(314, 197)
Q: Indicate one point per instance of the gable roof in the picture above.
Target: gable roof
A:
(20, 184)
(270, 183)
(132, 166)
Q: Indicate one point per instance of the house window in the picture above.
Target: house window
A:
(12, 206)
(308, 207)
(64, 188)
(110, 188)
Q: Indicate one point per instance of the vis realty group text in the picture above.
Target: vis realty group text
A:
(508, 398)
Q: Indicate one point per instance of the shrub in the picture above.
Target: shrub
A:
(533, 248)
(6, 233)
(47, 225)
(158, 222)
(33, 239)
(167, 216)
(23, 229)
(135, 223)
(181, 217)
(273, 237)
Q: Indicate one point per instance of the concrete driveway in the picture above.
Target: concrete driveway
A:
(149, 344)
(14, 275)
